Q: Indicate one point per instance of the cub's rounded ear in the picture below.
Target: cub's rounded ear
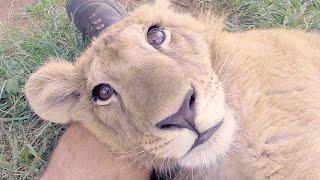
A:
(52, 91)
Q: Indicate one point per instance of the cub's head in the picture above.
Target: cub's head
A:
(145, 86)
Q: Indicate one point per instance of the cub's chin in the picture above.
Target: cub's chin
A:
(214, 149)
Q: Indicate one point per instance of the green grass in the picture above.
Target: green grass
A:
(26, 142)
(248, 14)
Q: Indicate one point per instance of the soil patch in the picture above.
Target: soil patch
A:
(10, 10)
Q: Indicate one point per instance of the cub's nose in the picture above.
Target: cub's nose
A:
(184, 117)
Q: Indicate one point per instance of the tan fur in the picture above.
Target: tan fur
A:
(264, 84)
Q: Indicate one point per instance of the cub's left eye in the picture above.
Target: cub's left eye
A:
(102, 94)
(156, 36)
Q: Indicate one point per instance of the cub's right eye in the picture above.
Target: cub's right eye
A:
(103, 94)
(156, 36)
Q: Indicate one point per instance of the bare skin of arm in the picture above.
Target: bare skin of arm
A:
(79, 155)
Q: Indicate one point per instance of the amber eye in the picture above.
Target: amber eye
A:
(102, 92)
(156, 36)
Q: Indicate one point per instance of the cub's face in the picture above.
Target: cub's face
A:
(145, 86)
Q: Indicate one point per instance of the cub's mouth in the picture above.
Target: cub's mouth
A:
(203, 137)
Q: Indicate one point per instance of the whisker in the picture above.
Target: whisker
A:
(132, 154)
(139, 157)
(132, 148)
(150, 163)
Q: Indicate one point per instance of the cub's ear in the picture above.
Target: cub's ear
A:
(53, 91)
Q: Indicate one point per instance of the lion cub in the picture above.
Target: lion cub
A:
(181, 95)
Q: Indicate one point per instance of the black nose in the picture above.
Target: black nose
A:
(184, 117)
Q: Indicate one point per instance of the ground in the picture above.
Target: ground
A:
(32, 31)
(10, 10)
